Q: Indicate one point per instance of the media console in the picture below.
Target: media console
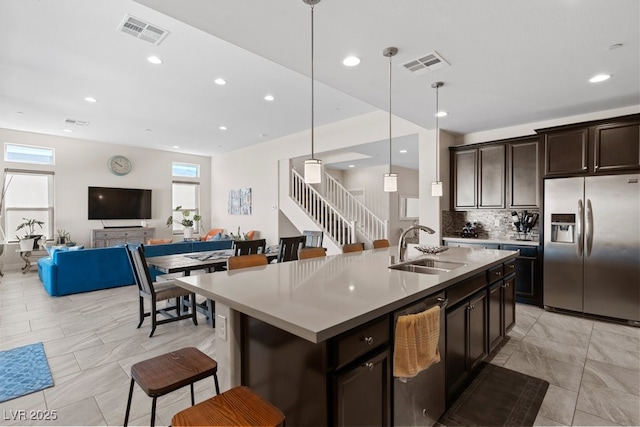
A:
(105, 237)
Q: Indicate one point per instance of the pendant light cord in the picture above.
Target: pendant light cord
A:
(437, 134)
(312, 88)
(390, 56)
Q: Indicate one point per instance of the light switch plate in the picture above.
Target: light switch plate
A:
(221, 325)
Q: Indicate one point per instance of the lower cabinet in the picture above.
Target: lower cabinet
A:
(502, 313)
(482, 311)
(466, 338)
(362, 393)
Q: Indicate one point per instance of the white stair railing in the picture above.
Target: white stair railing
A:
(367, 223)
(336, 226)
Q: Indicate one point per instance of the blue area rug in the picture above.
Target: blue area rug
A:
(23, 370)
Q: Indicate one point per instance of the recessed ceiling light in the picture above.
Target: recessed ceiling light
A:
(220, 81)
(269, 98)
(90, 99)
(599, 78)
(68, 130)
(441, 114)
(154, 60)
(352, 166)
(403, 151)
(222, 127)
(176, 146)
(351, 61)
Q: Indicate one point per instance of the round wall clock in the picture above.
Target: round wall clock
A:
(119, 165)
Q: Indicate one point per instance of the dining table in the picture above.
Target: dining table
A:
(185, 263)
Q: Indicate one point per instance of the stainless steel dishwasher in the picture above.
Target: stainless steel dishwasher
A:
(420, 401)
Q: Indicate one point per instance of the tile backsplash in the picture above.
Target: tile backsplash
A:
(490, 224)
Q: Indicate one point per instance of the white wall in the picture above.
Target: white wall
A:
(529, 128)
(256, 167)
(81, 163)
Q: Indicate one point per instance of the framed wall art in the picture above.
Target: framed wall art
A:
(239, 202)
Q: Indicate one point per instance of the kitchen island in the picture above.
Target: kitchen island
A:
(296, 331)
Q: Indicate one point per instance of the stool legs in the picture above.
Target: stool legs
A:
(126, 414)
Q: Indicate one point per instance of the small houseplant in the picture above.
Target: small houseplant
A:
(62, 237)
(30, 240)
(186, 221)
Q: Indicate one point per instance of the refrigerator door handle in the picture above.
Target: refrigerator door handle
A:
(588, 228)
(579, 227)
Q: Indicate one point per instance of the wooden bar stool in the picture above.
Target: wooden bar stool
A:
(168, 372)
(239, 406)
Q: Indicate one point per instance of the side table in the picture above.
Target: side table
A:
(30, 255)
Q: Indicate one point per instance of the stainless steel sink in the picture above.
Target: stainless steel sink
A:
(427, 266)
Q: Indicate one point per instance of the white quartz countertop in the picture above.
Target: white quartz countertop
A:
(319, 298)
(494, 241)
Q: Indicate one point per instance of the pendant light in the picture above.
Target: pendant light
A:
(390, 179)
(312, 166)
(436, 186)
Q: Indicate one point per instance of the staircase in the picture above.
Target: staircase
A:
(334, 210)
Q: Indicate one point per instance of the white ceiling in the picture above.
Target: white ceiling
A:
(511, 62)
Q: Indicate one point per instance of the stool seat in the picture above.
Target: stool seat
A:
(239, 406)
(170, 371)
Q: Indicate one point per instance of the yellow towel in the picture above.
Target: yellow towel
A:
(416, 342)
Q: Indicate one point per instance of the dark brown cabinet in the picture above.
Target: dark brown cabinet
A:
(502, 298)
(606, 146)
(528, 283)
(616, 147)
(523, 183)
(479, 177)
(465, 179)
(363, 393)
(466, 337)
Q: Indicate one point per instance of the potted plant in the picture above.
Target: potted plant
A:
(186, 221)
(62, 237)
(30, 240)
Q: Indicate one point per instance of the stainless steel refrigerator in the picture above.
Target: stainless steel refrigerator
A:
(592, 245)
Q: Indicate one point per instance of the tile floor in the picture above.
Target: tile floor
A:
(91, 342)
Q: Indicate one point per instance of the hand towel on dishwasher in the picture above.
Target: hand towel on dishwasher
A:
(416, 342)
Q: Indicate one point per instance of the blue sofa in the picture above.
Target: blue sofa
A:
(85, 270)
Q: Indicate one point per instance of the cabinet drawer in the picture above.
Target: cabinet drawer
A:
(495, 273)
(509, 267)
(360, 342)
(466, 288)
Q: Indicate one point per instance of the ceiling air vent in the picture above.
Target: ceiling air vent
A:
(76, 122)
(142, 30)
(429, 62)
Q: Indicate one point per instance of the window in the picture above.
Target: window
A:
(28, 154)
(28, 194)
(187, 195)
(187, 170)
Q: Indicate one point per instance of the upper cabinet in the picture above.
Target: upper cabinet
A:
(495, 175)
(602, 147)
(523, 183)
(478, 177)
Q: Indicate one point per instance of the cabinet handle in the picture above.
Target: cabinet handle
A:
(498, 273)
(368, 340)
(369, 366)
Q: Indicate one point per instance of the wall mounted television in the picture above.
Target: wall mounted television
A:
(119, 203)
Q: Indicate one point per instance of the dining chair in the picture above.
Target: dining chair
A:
(154, 291)
(243, 261)
(380, 243)
(248, 247)
(352, 247)
(314, 238)
(289, 247)
(306, 253)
